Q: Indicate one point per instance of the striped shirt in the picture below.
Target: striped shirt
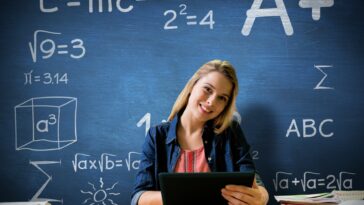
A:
(192, 161)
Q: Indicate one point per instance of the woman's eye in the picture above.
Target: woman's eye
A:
(223, 98)
(207, 89)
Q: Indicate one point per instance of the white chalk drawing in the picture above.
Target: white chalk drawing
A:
(49, 47)
(46, 123)
(46, 78)
(100, 195)
(191, 20)
(50, 7)
(145, 119)
(316, 6)
(106, 162)
(319, 85)
(133, 161)
(313, 180)
(255, 11)
(309, 128)
(49, 178)
(33, 47)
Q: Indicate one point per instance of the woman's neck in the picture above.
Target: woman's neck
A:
(189, 132)
(189, 124)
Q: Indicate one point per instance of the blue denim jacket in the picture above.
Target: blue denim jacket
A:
(226, 152)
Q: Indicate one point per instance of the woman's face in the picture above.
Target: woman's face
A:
(209, 96)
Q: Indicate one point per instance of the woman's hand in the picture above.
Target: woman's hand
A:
(151, 198)
(238, 194)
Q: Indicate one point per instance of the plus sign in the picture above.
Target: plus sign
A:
(316, 6)
(295, 181)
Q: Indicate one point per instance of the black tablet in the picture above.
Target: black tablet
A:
(199, 188)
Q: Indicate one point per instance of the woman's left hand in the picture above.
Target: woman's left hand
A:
(238, 194)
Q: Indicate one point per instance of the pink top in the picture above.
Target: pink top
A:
(192, 161)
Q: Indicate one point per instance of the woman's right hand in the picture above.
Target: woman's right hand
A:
(151, 198)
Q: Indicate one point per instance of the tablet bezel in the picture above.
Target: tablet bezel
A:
(200, 188)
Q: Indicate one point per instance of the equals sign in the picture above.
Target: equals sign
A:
(321, 182)
(118, 163)
(190, 20)
(62, 47)
(37, 78)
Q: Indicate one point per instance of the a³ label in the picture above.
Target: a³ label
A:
(43, 125)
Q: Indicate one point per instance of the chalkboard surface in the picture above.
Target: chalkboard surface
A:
(82, 81)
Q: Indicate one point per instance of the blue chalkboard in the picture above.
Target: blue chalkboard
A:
(82, 81)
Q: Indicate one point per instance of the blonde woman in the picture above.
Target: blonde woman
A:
(200, 136)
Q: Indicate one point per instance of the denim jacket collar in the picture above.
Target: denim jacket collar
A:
(172, 132)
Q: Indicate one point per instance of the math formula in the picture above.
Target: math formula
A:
(105, 162)
(46, 44)
(313, 180)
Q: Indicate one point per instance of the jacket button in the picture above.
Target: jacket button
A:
(205, 141)
(209, 158)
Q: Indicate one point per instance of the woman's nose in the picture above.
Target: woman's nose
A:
(211, 100)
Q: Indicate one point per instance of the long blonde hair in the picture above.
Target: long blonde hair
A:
(223, 120)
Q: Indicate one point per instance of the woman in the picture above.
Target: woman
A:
(200, 136)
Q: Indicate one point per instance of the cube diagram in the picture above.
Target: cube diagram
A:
(46, 123)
